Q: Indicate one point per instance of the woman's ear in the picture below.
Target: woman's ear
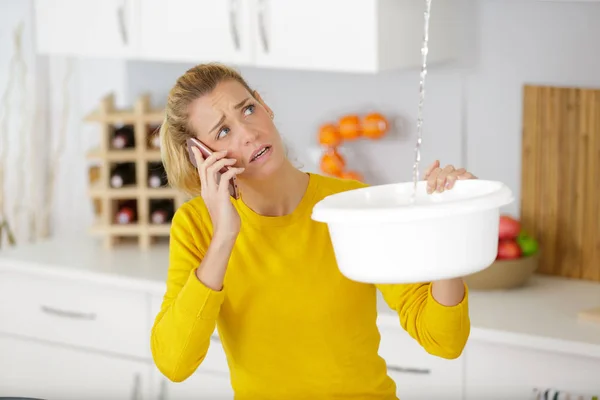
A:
(256, 95)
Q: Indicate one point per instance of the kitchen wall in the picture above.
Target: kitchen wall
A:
(472, 110)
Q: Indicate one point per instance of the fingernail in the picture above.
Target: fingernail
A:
(440, 189)
(429, 189)
(448, 185)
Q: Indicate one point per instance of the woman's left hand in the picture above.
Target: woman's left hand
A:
(440, 179)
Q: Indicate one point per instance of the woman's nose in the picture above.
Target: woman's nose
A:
(249, 134)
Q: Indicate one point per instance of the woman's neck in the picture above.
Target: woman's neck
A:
(277, 196)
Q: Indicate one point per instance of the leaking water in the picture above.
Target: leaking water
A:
(424, 51)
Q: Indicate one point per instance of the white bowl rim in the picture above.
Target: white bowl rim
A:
(328, 210)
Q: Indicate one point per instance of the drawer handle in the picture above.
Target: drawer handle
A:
(409, 370)
(135, 393)
(68, 314)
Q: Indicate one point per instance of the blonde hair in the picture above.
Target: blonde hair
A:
(175, 129)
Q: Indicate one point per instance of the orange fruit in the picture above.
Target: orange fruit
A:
(332, 163)
(351, 175)
(374, 126)
(349, 127)
(329, 136)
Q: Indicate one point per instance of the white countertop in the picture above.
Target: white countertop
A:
(541, 315)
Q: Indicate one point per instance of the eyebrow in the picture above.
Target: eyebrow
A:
(237, 107)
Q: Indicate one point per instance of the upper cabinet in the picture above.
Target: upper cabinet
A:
(195, 30)
(327, 35)
(87, 28)
(350, 36)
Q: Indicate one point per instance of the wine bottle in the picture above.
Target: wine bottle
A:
(122, 174)
(123, 137)
(126, 213)
(157, 176)
(153, 134)
(161, 211)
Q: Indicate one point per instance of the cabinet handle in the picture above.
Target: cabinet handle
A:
(135, 392)
(68, 314)
(261, 24)
(233, 20)
(409, 370)
(162, 395)
(122, 23)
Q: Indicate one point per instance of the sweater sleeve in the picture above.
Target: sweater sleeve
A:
(181, 332)
(441, 330)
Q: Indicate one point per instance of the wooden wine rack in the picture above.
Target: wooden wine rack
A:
(106, 198)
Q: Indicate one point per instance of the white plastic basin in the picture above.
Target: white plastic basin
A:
(378, 236)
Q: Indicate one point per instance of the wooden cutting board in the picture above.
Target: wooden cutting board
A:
(560, 185)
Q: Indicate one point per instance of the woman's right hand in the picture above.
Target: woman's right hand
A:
(215, 193)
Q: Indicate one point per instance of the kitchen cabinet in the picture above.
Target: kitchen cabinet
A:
(81, 329)
(365, 36)
(418, 374)
(350, 36)
(202, 385)
(85, 28)
(46, 371)
(499, 372)
(195, 30)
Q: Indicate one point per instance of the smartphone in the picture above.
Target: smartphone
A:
(207, 151)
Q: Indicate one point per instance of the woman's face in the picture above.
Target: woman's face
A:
(230, 118)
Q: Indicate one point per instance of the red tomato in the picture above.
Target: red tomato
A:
(509, 227)
(508, 249)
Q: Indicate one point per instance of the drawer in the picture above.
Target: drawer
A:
(74, 313)
(418, 374)
(215, 360)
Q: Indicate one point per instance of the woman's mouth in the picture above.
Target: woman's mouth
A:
(261, 153)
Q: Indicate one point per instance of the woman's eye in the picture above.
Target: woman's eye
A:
(222, 133)
(249, 110)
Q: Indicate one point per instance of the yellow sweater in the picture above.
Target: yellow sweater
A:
(291, 325)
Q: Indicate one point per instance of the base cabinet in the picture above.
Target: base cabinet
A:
(201, 385)
(418, 374)
(46, 371)
(500, 372)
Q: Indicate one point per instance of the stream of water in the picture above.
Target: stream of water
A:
(424, 51)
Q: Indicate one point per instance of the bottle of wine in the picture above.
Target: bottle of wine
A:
(123, 137)
(126, 212)
(157, 176)
(122, 174)
(154, 137)
(161, 211)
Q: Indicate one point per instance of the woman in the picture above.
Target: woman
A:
(262, 271)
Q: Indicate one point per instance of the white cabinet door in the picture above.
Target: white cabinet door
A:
(36, 370)
(349, 36)
(418, 374)
(202, 385)
(91, 28)
(499, 372)
(315, 34)
(195, 30)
